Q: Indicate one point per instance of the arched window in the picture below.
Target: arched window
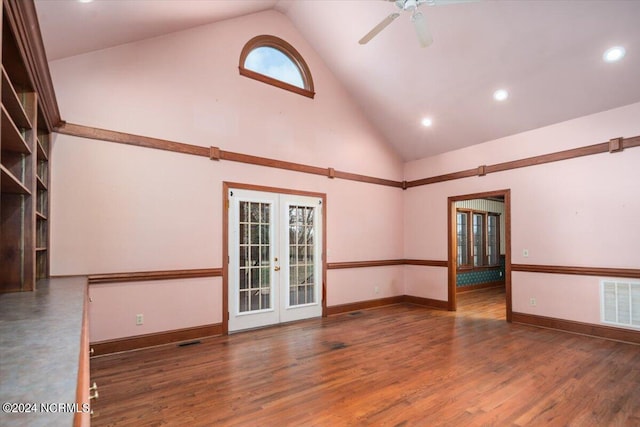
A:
(271, 60)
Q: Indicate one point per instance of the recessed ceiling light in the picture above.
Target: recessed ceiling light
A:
(500, 95)
(614, 54)
(85, 1)
(427, 122)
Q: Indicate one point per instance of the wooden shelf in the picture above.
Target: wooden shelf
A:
(42, 154)
(42, 249)
(12, 103)
(41, 184)
(12, 140)
(11, 184)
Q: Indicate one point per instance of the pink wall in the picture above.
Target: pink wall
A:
(579, 212)
(186, 87)
(166, 305)
(361, 284)
(119, 208)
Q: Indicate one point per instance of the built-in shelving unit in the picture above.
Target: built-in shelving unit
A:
(24, 167)
(42, 201)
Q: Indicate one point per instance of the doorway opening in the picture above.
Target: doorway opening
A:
(479, 244)
(273, 257)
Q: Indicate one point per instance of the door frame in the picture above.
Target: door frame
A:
(452, 261)
(226, 186)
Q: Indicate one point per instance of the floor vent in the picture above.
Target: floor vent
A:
(620, 303)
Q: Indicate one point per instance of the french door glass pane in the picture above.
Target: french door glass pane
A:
(301, 262)
(254, 267)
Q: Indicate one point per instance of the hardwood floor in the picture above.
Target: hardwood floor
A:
(398, 366)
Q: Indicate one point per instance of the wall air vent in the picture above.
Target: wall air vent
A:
(620, 303)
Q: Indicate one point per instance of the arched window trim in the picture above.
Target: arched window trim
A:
(284, 47)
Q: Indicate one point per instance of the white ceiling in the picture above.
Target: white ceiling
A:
(548, 54)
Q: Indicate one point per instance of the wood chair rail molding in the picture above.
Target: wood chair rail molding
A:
(384, 263)
(363, 264)
(631, 273)
(144, 276)
(615, 145)
(95, 279)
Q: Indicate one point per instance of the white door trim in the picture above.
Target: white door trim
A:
(321, 265)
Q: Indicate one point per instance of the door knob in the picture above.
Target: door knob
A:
(277, 268)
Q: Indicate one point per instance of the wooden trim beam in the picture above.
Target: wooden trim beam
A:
(214, 153)
(144, 276)
(615, 145)
(367, 179)
(442, 178)
(129, 139)
(272, 163)
(159, 338)
(631, 142)
(604, 147)
(632, 273)
(607, 332)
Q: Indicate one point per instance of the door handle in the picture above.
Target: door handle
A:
(276, 268)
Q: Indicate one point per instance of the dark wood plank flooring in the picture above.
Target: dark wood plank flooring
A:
(397, 366)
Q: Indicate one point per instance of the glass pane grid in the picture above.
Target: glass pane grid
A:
(254, 252)
(301, 255)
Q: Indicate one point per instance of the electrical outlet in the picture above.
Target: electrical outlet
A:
(139, 319)
(532, 302)
(525, 253)
(376, 289)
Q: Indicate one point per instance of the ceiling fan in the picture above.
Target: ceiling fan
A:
(418, 19)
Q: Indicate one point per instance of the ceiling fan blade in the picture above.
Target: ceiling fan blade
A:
(422, 30)
(381, 26)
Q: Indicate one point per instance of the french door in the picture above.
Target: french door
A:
(275, 258)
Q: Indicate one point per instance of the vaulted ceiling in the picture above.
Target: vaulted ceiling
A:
(547, 54)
